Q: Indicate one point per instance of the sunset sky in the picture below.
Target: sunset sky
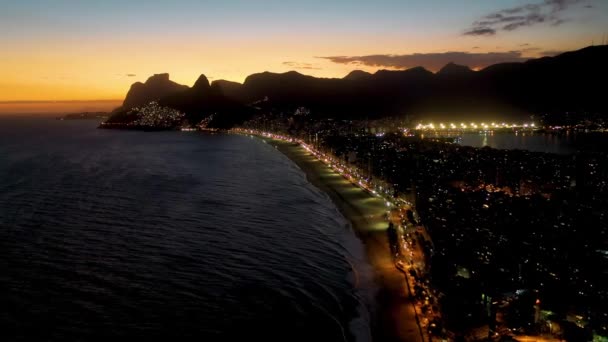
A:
(62, 50)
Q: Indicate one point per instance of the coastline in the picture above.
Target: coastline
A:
(394, 318)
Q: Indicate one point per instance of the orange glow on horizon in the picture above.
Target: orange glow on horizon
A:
(65, 70)
(70, 50)
(55, 107)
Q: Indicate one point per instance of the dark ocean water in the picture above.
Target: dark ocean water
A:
(112, 234)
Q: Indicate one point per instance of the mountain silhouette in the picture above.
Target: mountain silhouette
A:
(156, 87)
(567, 82)
(231, 89)
(201, 85)
(452, 69)
(203, 100)
(357, 75)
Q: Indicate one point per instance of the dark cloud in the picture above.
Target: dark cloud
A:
(480, 31)
(524, 44)
(475, 47)
(560, 5)
(431, 61)
(305, 66)
(130, 75)
(510, 19)
(529, 20)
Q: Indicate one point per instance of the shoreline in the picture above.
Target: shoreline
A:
(394, 318)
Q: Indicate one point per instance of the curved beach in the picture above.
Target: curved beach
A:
(394, 319)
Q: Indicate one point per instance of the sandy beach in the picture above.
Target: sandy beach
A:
(394, 319)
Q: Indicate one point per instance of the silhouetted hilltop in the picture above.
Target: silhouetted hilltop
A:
(357, 75)
(567, 82)
(204, 100)
(288, 89)
(201, 85)
(407, 76)
(233, 90)
(452, 69)
(156, 87)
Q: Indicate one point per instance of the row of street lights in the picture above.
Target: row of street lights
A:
(472, 125)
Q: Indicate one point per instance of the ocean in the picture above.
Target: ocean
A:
(177, 235)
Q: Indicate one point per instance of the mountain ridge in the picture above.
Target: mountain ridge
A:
(155, 87)
(560, 83)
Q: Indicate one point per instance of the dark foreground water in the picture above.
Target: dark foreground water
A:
(112, 234)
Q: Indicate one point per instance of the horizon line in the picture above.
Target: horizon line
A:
(58, 101)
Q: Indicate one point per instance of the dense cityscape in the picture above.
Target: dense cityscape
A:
(508, 241)
(494, 243)
(151, 116)
(516, 239)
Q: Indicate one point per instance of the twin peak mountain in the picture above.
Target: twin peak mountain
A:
(566, 82)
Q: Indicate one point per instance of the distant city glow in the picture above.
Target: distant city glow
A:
(430, 126)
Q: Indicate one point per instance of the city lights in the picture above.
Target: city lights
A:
(155, 115)
(473, 126)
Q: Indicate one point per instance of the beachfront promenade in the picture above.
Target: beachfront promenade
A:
(396, 318)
